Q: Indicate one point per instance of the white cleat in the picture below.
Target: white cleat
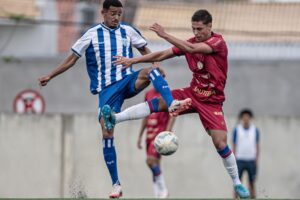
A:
(116, 192)
(178, 106)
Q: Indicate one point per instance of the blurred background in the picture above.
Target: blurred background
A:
(50, 137)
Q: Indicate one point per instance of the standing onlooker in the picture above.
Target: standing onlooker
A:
(246, 147)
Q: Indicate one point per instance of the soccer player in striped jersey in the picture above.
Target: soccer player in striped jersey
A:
(113, 84)
(206, 55)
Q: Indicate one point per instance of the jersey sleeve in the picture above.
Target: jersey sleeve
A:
(81, 44)
(216, 43)
(177, 51)
(234, 136)
(137, 39)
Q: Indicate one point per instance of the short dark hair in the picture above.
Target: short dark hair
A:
(203, 16)
(246, 111)
(109, 3)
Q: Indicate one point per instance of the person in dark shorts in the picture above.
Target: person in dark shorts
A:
(246, 148)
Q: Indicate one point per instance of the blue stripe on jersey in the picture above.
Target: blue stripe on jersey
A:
(124, 38)
(102, 55)
(92, 67)
(113, 45)
(130, 54)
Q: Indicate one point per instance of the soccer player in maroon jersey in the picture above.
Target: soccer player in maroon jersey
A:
(206, 55)
(154, 124)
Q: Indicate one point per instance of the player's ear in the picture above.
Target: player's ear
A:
(209, 25)
(103, 11)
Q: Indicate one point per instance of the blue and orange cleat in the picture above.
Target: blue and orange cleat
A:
(108, 117)
(241, 191)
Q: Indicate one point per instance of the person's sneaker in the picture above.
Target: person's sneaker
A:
(178, 106)
(163, 194)
(241, 191)
(116, 192)
(108, 117)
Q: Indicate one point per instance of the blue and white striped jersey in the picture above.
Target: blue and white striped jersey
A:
(100, 44)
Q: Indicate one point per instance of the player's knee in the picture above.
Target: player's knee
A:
(220, 145)
(151, 162)
(107, 134)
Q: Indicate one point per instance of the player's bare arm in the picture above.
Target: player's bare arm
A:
(65, 65)
(144, 50)
(185, 46)
(152, 57)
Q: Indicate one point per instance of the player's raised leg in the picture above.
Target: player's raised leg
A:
(164, 104)
(141, 110)
(219, 138)
(162, 87)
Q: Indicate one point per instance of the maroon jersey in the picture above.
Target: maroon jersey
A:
(156, 122)
(209, 70)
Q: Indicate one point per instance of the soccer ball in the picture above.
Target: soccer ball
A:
(166, 143)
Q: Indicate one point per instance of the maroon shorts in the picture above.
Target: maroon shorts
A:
(150, 149)
(211, 114)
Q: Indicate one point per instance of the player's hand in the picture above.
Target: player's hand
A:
(139, 143)
(44, 80)
(120, 60)
(158, 29)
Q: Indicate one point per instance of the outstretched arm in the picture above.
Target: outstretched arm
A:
(152, 57)
(185, 46)
(65, 65)
(144, 50)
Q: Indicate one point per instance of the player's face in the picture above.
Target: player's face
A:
(201, 31)
(112, 16)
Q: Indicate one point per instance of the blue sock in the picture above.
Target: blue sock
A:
(110, 158)
(224, 153)
(161, 86)
(155, 171)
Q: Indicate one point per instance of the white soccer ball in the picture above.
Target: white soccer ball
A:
(166, 143)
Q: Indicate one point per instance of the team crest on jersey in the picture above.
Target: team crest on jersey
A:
(124, 42)
(200, 65)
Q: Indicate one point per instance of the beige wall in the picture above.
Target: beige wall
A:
(55, 156)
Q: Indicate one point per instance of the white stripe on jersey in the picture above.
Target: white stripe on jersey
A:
(107, 47)
(119, 53)
(97, 53)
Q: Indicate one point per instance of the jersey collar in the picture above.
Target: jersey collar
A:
(110, 29)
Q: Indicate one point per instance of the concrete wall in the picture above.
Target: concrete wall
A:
(268, 87)
(59, 156)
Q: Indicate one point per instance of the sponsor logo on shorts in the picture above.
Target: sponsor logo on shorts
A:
(206, 93)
